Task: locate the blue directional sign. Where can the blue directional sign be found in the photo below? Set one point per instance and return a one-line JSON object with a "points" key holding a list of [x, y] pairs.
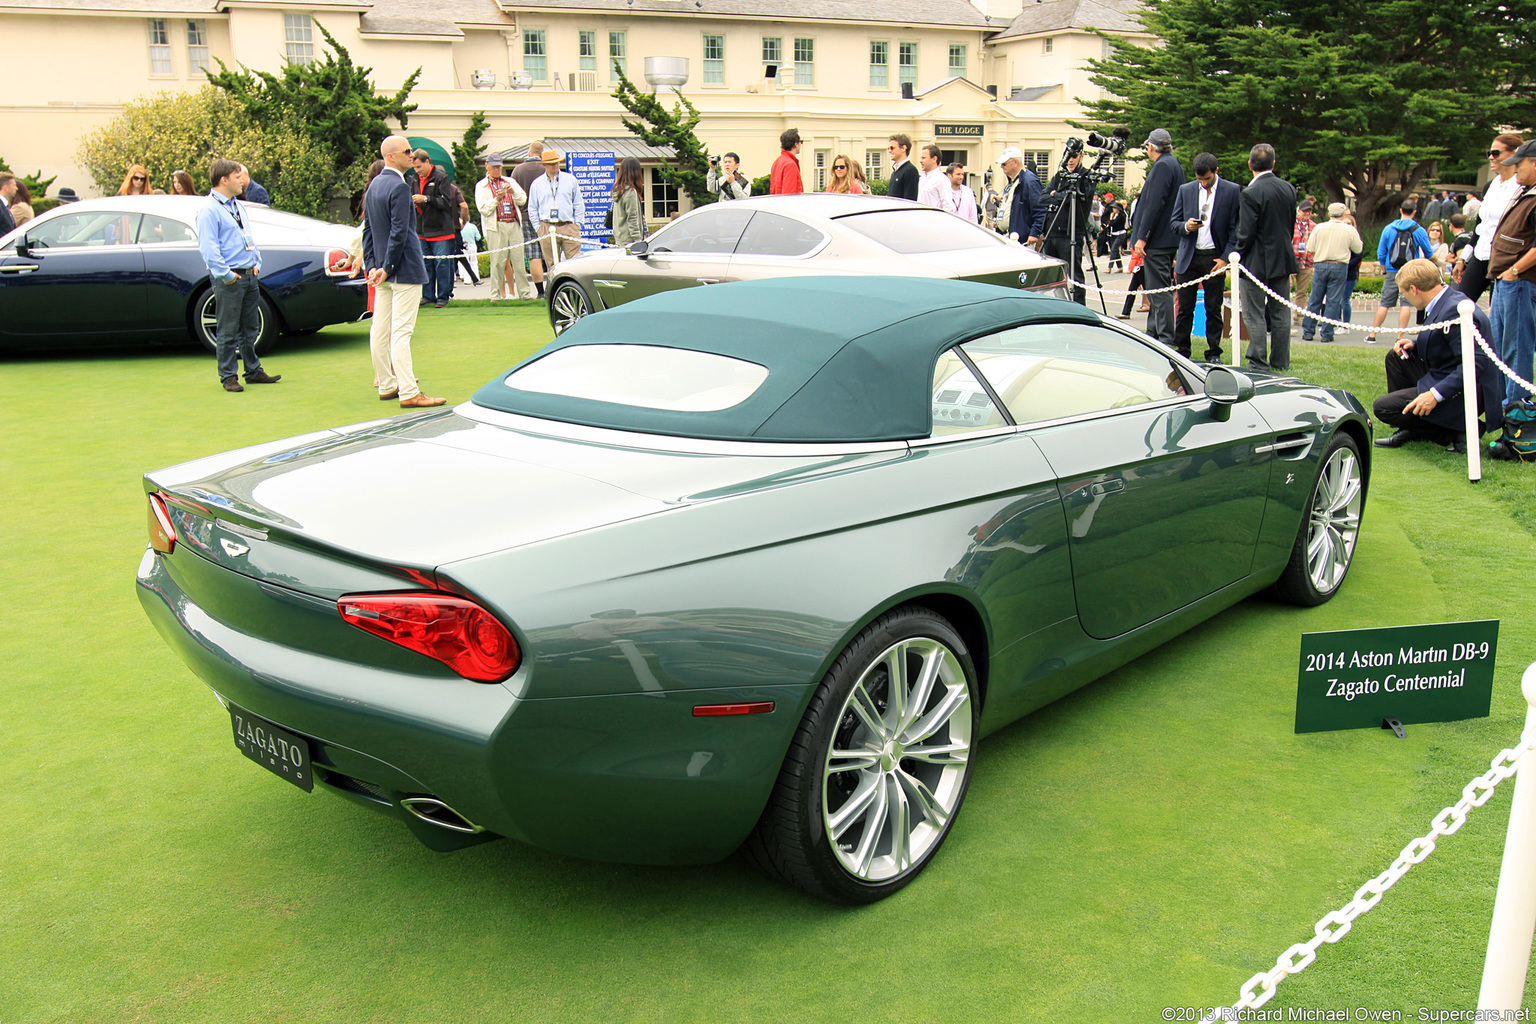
{"points": [[595, 173]]}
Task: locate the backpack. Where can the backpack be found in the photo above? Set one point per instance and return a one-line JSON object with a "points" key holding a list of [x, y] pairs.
{"points": [[1519, 441], [1402, 248]]}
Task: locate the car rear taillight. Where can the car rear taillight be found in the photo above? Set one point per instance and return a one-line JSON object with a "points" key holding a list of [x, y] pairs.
{"points": [[337, 263], [455, 631], [162, 535]]}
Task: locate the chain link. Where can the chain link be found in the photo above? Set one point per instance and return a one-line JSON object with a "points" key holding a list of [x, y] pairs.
{"points": [[1260, 988], [1155, 291], [517, 247], [1506, 371], [1285, 300]]}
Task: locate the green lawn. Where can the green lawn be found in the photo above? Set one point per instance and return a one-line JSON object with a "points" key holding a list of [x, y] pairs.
{"points": [[1152, 840]]}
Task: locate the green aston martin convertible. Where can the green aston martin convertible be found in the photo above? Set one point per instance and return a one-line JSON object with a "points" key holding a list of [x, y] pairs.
{"points": [[752, 567]]}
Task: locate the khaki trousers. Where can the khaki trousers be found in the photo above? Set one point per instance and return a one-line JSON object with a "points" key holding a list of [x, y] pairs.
{"points": [[500, 235], [570, 241], [389, 337]]}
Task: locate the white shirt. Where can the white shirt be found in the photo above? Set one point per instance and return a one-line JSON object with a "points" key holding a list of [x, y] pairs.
{"points": [[960, 201], [1500, 194], [931, 188], [1203, 238]]}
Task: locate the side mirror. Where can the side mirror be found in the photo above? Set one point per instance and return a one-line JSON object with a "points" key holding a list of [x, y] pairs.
{"points": [[1225, 388], [641, 249], [21, 248]]}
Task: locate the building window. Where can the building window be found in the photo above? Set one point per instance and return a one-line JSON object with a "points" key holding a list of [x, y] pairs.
{"points": [[805, 62], [159, 47], [299, 38], [874, 164], [773, 52], [906, 64], [956, 60], [664, 202], [197, 46], [1040, 159], [819, 173], [714, 60], [1107, 49], [588, 60], [618, 49], [1050, 44], [879, 64], [535, 60]]}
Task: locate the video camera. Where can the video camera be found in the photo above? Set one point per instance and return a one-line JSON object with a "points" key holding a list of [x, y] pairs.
{"points": [[1081, 184]]}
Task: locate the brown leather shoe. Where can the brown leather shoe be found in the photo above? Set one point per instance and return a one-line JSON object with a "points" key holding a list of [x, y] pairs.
{"points": [[390, 397], [263, 377], [421, 402], [232, 384]]}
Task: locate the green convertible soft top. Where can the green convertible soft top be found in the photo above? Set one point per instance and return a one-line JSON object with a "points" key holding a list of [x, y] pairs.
{"points": [[848, 358]]}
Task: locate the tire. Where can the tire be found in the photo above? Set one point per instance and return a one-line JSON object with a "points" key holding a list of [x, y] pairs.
{"points": [[567, 304], [201, 322], [1325, 543], [855, 815]]}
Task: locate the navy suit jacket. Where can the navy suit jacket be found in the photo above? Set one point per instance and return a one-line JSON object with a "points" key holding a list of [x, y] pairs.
{"points": [[7, 221], [1026, 214], [1229, 199], [1154, 210], [1441, 352], [1265, 225], [389, 230]]}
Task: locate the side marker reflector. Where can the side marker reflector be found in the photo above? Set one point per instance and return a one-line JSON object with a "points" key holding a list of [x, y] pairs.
{"points": [[761, 707]]}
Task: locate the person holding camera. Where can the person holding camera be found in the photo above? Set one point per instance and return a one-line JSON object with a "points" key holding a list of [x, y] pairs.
{"points": [[725, 178], [1067, 226]]}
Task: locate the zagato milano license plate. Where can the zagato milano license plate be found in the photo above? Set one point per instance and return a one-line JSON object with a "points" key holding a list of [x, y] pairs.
{"points": [[277, 750]]}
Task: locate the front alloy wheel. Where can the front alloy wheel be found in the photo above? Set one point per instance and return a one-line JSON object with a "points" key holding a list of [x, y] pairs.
{"points": [[1325, 544], [879, 766], [567, 304]]}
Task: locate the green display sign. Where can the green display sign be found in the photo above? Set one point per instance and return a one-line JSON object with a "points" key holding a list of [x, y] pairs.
{"points": [[1357, 678]]}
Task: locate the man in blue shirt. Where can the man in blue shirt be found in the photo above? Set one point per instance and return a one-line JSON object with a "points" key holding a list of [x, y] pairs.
{"points": [[1416, 241], [555, 207], [229, 250]]}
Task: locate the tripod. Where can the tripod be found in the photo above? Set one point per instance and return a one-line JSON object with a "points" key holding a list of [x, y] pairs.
{"points": [[1076, 239]]}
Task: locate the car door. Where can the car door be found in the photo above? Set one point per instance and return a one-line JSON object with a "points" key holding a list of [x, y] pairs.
{"points": [[773, 245], [78, 274], [172, 266], [1163, 497], [691, 251]]}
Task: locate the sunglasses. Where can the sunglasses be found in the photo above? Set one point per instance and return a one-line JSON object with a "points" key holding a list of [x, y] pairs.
{"points": [[139, 177], [839, 167], [1496, 152]]}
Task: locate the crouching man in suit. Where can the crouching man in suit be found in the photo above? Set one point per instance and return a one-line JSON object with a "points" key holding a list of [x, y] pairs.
{"points": [[1425, 386]]}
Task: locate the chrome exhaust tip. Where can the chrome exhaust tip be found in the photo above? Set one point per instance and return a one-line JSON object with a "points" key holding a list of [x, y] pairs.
{"points": [[434, 812]]}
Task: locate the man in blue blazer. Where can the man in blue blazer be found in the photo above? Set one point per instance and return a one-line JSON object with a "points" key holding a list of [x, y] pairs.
{"points": [[1205, 219], [1152, 231], [1426, 384], [392, 257]]}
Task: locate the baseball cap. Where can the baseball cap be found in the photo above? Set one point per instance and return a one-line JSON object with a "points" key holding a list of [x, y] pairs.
{"points": [[1011, 153], [1306, 205], [1337, 209], [1527, 150], [1159, 138]]}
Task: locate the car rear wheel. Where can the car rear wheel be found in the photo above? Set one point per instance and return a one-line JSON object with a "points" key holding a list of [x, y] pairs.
{"points": [[567, 304], [879, 765], [205, 322], [1325, 544]]}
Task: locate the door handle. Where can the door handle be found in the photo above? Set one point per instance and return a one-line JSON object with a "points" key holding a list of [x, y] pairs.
{"points": [[1107, 487], [707, 280], [20, 268]]}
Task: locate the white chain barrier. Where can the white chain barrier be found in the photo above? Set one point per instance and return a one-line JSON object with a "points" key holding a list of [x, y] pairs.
{"points": [[1338, 324], [1261, 988], [1506, 371], [1145, 291], [585, 244]]}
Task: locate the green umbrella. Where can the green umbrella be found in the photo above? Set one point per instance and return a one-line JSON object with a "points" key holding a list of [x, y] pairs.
{"points": [[436, 153]]}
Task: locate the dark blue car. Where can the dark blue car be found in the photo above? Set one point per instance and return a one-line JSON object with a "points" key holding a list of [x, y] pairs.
{"points": [[126, 269]]}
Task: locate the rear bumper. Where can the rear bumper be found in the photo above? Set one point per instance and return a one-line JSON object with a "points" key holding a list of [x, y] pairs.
{"points": [[629, 777]]}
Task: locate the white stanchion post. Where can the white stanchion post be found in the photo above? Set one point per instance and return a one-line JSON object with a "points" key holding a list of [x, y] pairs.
{"points": [[1469, 391], [1514, 907], [1237, 310]]}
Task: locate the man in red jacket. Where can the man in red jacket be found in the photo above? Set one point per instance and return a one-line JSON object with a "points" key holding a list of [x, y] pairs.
{"points": [[785, 176]]}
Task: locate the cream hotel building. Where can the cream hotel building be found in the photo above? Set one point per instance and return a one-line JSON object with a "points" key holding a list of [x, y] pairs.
{"points": [[973, 77]]}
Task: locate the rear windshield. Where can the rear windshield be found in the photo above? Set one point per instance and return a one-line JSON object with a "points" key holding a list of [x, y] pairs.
{"points": [[920, 230], [647, 376]]}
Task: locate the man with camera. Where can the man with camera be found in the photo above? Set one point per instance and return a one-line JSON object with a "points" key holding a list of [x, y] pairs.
{"points": [[1068, 195], [731, 184]]}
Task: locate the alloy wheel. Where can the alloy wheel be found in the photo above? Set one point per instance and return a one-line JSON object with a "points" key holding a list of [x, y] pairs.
{"points": [[1334, 521], [566, 306], [896, 769]]}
